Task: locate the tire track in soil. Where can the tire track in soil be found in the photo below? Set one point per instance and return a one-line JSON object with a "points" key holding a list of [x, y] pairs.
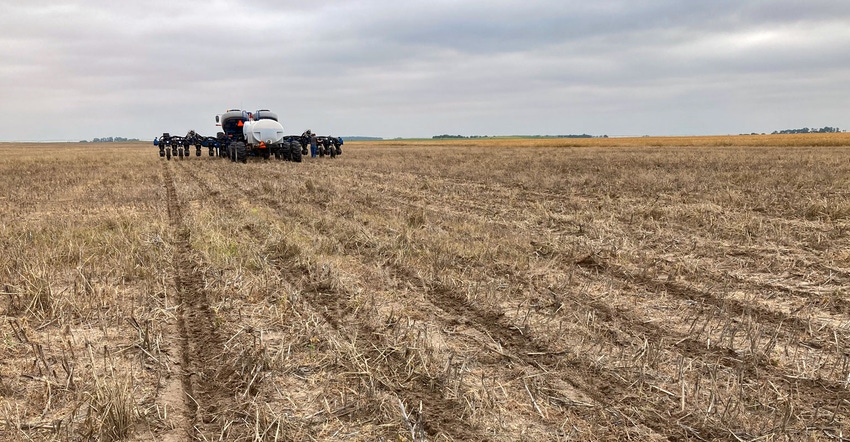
{"points": [[204, 383], [440, 414], [177, 393]]}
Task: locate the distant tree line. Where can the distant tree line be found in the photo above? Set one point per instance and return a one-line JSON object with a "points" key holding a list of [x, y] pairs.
{"points": [[110, 140], [806, 130], [447, 136]]}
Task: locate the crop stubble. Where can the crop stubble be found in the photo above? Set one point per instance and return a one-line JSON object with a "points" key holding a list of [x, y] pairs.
{"points": [[495, 290]]}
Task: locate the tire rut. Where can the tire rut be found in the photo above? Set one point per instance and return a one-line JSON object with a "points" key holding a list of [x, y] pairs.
{"points": [[203, 374], [440, 414]]}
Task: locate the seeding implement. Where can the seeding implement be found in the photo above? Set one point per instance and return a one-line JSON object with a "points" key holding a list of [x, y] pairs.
{"points": [[258, 134]]}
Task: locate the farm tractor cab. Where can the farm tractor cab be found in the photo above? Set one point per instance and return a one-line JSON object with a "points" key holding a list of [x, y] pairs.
{"points": [[243, 134]]}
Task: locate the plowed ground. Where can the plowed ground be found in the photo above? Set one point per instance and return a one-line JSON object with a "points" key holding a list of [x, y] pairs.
{"points": [[471, 291]]}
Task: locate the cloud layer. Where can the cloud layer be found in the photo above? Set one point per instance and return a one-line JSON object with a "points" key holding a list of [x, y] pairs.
{"points": [[77, 70]]}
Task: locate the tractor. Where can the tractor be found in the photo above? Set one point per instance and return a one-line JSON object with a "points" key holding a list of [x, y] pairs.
{"points": [[256, 134]]}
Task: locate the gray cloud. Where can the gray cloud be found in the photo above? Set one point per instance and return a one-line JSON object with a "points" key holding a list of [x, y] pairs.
{"points": [[416, 68]]}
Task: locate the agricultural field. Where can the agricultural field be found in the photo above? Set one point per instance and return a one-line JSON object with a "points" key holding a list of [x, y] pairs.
{"points": [[477, 290]]}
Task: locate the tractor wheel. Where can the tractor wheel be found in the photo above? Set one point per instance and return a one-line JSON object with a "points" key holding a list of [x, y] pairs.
{"points": [[286, 150], [180, 153], [265, 153], [338, 151], [295, 152], [168, 154], [198, 151], [231, 152], [241, 152], [332, 151]]}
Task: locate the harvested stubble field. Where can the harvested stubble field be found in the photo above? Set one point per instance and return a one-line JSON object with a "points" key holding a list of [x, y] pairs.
{"points": [[644, 289]]}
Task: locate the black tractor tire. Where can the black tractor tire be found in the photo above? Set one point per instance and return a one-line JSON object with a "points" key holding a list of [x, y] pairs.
{"points": [[212, 151], [241, 152], [295, 152], [265, 153], [285, 150], [162, 153], [168, 154], [338, 151], [198, 151]]}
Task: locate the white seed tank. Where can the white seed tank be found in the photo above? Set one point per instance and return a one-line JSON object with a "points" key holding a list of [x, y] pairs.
{"points": [[265, 130]]}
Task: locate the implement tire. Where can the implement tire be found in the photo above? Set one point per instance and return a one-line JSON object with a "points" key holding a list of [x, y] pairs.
{"points": [[241, 152], [295, 152], [285, 150]]}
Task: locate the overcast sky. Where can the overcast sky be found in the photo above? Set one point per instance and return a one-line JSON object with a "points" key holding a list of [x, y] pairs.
{"points": [[407, 68]]}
